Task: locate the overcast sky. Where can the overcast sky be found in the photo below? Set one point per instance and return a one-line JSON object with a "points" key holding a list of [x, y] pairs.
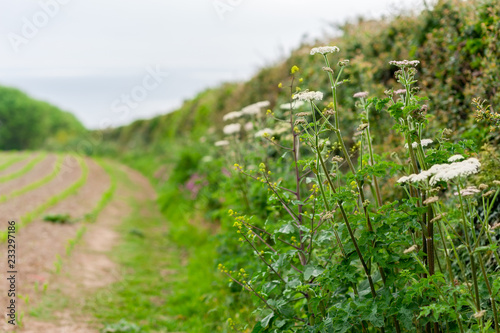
{"points": [[112, 61]]}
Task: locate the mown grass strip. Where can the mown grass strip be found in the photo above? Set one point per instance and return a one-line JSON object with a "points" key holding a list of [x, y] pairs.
{"points": [[12, 160], [36, 184], [72, 189], [30, 165]]}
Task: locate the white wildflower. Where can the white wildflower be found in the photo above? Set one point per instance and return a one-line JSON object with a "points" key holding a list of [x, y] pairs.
{"points": [[455, 158], [404, 179], [309, 96], [251, 110], [404, 63], [469, 191], [400, 92], [232, 115], [231, 129], [254, 109], [264, 133], [423, 142], [324, 49], [294, 105], [447, 172], [221, 143], [361, 94], [263, 104], [248, 126]]}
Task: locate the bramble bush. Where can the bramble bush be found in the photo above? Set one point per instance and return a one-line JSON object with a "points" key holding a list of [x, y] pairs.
{"points": [[349, 239]]}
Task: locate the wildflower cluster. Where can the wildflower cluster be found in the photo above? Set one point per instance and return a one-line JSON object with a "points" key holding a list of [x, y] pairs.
{"points": [[337, 247]]}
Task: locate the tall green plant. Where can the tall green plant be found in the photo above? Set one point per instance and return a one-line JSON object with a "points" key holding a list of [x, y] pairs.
{"points": [[338, 255]]}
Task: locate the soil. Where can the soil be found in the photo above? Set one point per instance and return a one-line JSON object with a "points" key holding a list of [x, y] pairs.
{"points": [[88, 267]]}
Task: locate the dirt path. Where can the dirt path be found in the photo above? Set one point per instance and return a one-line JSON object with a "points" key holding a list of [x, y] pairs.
{"points": [[15, 208], [18, 165], [89, 266], [40, 170]]}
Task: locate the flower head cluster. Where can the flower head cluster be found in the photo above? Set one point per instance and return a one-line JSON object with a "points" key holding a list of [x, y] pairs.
{"points": [[232, 115], [264, 133], [455, 158], [361, 94], [400, 92], [231, 129], [404, 63], [423, 142], [324, 50], [221, 143], [444, 172], [309, 96], [294, 105], [469, 191], [255, 108]]}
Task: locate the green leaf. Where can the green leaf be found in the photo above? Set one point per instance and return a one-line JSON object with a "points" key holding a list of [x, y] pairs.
{"points": [[287, 229], [266, 320], [312, 271], [258, 328]]}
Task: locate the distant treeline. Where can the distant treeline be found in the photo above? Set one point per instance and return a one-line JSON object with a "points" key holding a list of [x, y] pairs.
{"points": [[26, 123], [456, 41]]}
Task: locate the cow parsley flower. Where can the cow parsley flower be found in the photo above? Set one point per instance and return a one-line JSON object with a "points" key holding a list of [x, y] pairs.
{"points": [[361, 94], [423, 142], [254, 109], [404, 63], [324, 50], [455, 158], [309, 96], [294, 105], [221, 143], [231, 129], [446, 172], [232, 115], [264, 133]]}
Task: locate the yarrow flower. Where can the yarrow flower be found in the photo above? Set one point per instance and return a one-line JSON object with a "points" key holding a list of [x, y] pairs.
{"points": [[221, 143], [404, 63], [400, 91], [309, 96], [455, 158], [232, 115], [294, 105], [231, 129], [264, 133], [324, 50], [361, 94], [423, 142]]}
